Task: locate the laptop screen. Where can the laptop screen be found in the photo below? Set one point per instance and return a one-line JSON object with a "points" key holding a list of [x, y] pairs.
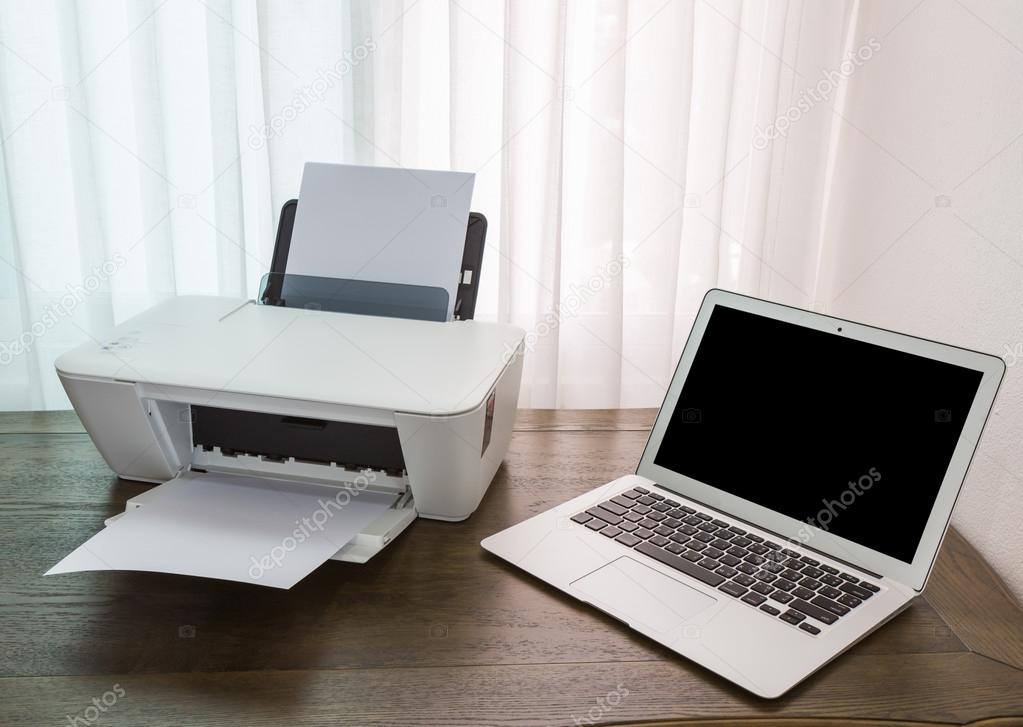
{"points": [[849, 436]]}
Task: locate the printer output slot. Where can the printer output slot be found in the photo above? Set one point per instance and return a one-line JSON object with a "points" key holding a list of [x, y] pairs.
{"points": [[276, 438]]}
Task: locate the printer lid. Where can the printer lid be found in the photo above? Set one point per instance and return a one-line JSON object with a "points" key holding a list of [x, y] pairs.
{"points": [[230, 344]]}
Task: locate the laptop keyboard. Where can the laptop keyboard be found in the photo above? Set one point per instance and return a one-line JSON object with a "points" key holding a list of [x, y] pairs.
{"points": [[763, 574]]}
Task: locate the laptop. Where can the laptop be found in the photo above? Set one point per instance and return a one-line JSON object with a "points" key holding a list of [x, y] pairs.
{"points": [[791, 498]]}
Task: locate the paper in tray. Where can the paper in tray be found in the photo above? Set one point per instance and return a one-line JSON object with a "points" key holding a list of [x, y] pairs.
{"points": [[249, 529]]}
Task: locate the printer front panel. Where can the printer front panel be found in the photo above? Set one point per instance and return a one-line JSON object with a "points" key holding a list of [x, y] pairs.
{"points": [[451, 460]]}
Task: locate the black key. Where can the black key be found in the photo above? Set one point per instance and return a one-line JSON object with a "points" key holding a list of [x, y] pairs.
{"points": [[787, 573], [712, 552], [671, 522], [747, 568], [772, 545], [596, 524], [646, 500], [581, 517], [847, 577], [628, 539], [812, 572], [672, 503], [647, 523], [851, 601], [708, 563], [870, 587], [615, 508], [707, 527], [696, 545], [655, 496], [729, 560], [720, 523], [632, 494], [703, 537], [680, 564], [829, 592], [744, 580], [725, 535], [809, 628], [659, 540], [675, 548], [642, 533], [736, 529], [627, 526], [664, 531], [810, 583], [737, 551], [828, 605], [815, 611], [766, 577], [679, 538], [753, 599], [611, 531], [762, 588], [792, 617], [861, 593], [660, 507], [830, 580], [757, 548], [608, 517], [703, 515], [794, 564], [754, 538], [720, 544], [727, 572], [783, 584], [732, 589], [808, 560], [780, 597], [633, 517], [641, 509], [754, 559], [800, 592], [692, 556], [641, 490], [828, 569], [770, 609], [686, 508], [678, 514], [687, 529], [692, 520], [741, 541], [657, 516], [790, 553], [772, 567]]}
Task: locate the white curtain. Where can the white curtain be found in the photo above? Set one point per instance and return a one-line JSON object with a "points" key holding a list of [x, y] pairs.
{"points": [[629, 156]]}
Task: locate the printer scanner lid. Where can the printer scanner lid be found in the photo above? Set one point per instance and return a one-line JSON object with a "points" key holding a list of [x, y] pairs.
{"points": [[230, 344]]}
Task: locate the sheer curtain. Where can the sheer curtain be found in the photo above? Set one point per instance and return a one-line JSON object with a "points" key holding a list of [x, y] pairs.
{"points": [[629, 155]]}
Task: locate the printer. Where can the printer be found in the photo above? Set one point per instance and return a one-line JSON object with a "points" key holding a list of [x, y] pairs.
{"points": [[317, 381]]}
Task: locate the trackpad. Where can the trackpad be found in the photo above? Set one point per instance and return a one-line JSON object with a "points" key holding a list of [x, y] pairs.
{"points": [[638, 594]]}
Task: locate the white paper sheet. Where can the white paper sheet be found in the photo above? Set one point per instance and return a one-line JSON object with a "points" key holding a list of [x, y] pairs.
{"points": [[383, 224], [248, 529]]}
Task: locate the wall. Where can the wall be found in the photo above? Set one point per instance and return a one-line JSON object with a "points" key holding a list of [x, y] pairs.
{"points": [[924, 232]]}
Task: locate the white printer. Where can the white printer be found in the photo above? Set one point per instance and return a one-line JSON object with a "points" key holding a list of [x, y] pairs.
{"points": [[422, 409]]}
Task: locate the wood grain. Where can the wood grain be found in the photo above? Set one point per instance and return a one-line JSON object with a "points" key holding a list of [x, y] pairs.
{"points": [[433, 630]]}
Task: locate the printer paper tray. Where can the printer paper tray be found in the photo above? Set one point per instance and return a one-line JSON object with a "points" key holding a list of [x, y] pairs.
{"points": [[257, 530]]}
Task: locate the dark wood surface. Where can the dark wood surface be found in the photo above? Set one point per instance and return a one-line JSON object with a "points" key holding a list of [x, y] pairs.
{"points": [[433, 630]]}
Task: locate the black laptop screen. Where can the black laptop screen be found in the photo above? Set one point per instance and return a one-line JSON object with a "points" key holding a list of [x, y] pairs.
{"points": [[851, 437]]}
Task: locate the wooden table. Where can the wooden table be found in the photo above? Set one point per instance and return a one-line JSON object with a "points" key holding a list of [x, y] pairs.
{"points": [[433, 630]]}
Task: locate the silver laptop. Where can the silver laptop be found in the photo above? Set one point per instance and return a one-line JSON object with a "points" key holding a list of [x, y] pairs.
{"points": [[792, 496]]}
